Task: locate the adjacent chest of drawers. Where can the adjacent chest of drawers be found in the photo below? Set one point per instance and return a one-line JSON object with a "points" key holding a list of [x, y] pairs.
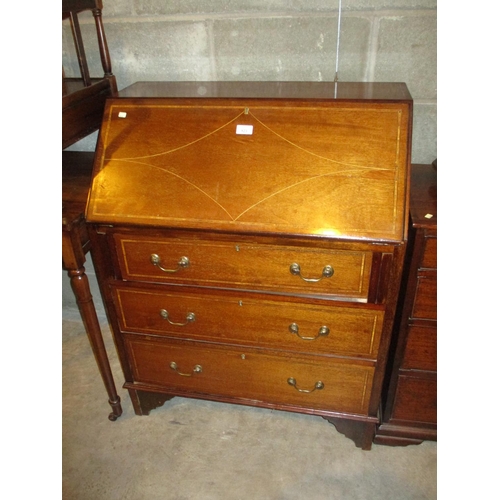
{"points": [[410, 401], [249, 241]]}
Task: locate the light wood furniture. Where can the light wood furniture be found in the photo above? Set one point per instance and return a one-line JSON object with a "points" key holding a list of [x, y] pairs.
{"points": [[82, 110], [410, 400], [249, 239]]}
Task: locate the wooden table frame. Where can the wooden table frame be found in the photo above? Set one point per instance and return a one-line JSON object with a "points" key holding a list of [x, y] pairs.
{"points": [[77, 169]]}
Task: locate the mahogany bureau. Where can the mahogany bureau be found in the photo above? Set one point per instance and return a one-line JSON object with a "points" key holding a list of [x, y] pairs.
{"points": [[409, 404], [248, 239]]}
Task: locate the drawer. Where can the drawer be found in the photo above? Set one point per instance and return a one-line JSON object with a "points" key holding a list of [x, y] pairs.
{"points": [[429, 257], [250, 319], [425, 303], [416, 400], [268, 377], [233, 265], [421, 348]]}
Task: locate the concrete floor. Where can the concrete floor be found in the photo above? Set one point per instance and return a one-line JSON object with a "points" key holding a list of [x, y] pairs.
{"points": [[199, 450]]}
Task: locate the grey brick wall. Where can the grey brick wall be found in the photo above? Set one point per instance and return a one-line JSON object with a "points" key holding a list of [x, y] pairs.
{"points": [[380, 40]]}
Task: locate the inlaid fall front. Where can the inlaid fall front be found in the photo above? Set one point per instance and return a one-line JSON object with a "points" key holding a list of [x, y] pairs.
{"points": [[256, 166]]}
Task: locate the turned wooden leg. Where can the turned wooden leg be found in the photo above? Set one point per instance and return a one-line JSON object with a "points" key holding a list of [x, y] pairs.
{"points": [[81, 289]]}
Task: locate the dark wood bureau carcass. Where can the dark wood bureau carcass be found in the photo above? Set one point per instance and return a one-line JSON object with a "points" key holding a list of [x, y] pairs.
{"points": [[248, 239], [410, 398]]}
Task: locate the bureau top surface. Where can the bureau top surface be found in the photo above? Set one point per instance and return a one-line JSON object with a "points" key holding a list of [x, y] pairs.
{"points": [[267, 90], [256, 157]]}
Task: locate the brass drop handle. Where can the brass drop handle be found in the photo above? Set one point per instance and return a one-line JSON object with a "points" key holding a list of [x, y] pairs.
{"points": [[156, 261], [196, 369], [327, 273], [322, 332], [318, 385], [190, 318]]}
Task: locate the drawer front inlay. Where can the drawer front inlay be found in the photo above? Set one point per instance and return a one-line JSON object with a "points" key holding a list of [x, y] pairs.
{"points": [[254, 375], [245, 319], [262, 267]]}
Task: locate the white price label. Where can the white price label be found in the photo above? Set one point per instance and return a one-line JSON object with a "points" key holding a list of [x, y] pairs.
{"points": [[244, 129]]}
